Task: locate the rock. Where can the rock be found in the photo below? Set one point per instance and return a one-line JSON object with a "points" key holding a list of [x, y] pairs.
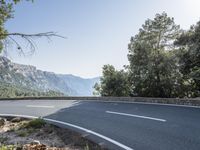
{"points": [[2, 122], [16, 120], [34, 147], [35, 142]]}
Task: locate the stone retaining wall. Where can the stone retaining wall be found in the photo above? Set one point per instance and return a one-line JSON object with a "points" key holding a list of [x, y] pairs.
{"points": [[185, 101]]}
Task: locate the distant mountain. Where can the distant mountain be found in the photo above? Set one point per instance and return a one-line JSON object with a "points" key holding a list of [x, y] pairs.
{"points": [[27, 76], [84, 87], [8, 90]]}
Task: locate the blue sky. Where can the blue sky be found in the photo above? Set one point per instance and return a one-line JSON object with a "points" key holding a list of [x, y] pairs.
{"points": [[97, 31]]}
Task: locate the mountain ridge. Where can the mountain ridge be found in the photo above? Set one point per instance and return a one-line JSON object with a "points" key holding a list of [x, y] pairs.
{"points": [[30, 77]]}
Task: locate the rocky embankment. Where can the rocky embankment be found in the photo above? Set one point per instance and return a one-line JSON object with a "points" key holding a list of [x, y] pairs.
{"points": [[23, 134]]}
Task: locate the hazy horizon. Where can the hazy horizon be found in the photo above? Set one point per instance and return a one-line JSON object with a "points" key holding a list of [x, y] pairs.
{"points": [[97, 32]]}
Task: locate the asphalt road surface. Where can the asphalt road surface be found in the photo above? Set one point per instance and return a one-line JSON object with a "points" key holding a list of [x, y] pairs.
{"points": [[116, 125]]}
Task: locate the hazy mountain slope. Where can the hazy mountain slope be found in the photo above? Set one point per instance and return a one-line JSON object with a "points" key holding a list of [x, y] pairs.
{"points": [[84, 87], [29, 77], [10, 90]]}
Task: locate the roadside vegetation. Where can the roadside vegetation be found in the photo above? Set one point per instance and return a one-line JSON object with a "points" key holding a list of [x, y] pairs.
{"points": [[35, 124], [164, 61]]}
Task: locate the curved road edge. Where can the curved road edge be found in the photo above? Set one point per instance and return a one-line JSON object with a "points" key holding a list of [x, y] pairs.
{"points": [[73, 126]]}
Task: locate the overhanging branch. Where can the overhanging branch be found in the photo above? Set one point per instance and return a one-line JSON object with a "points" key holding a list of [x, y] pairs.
{"points": [[29, 38], [44, 34]]}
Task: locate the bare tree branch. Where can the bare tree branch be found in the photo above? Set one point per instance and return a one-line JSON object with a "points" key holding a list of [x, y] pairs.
{"points": [[29, 38], [18, 45], [44, 34]]}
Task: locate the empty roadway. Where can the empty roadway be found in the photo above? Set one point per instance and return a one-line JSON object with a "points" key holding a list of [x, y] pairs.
{"points": [[133, 126]]}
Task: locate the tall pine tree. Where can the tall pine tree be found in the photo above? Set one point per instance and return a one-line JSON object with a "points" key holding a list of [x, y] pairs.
{"points": [[153, 63]]}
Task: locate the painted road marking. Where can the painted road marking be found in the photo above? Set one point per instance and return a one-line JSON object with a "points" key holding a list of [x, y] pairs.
{"points": [[77, 127], [137, 116], [91, 132], [39, 106]]}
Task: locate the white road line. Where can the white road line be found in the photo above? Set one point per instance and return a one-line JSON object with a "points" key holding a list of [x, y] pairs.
{"points": [[38, 106], [138, 116], [77, 127], [92, 132]]}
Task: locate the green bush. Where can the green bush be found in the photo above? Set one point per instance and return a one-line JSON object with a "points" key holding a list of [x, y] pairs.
{"points": [[10, 147], [36, 123]]}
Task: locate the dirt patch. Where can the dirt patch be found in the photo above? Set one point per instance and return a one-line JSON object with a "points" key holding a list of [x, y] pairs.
{"points": [[18, 133]]}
